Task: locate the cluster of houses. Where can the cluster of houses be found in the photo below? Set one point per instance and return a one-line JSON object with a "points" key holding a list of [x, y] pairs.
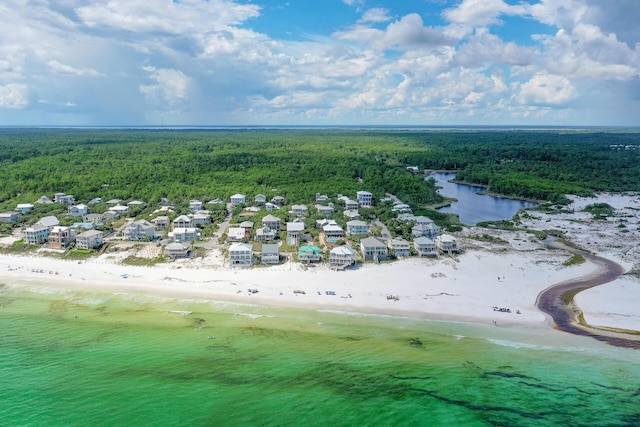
{"points": [[183, 230]]}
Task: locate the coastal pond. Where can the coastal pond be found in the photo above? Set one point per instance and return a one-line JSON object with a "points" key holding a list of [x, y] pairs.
{"points": [[473, 207]]}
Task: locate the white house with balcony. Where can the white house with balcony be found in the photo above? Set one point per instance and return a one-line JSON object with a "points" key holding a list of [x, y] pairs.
{"points": [[61, 237], [355, 227], [425, 246], [342, 257], [36, 234], [270, 253], [326, 210], [24, 208], [400, 247], [78, 210], [182, 221], [90, 239], [294, 232], [365, 198], [188, 234], [64, 198], [271, 221], [240, 255], [9, 216], [195, 205], [446, 243], [238, 199], [265, 234], [351, 205], [176, 250], [299, 210], [373, 249], [139, 230]]}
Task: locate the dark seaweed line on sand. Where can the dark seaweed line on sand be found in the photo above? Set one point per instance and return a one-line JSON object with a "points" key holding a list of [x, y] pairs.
{"points": [[557, 301]]}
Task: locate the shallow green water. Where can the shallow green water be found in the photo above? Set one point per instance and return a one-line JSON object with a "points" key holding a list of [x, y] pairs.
{"points": [[78, 359]]}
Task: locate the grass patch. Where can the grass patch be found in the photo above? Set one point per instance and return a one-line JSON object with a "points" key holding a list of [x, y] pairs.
{"points": [[576, 259], [489, 238], [144, 262]]}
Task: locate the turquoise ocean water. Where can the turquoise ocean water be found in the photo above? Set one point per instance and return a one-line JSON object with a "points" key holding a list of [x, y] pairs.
{"points": [[76, 359]]}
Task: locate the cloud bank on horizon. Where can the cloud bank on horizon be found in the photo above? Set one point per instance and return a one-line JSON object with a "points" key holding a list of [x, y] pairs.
{"points": [[299, 62]]}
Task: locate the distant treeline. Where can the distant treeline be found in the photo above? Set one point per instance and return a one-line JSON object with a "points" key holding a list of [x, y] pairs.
{"points": [[186, 164]]}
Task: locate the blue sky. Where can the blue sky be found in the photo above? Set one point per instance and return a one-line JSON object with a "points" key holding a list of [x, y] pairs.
{"points": [[320, 62]]}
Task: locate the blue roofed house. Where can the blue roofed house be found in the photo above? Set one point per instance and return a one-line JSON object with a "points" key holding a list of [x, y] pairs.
{"points": [[308, 254]]}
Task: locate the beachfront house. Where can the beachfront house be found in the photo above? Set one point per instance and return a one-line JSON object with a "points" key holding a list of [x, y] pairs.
{"points": [[356, 227], [61, 237], [236, 234], [195, 205], [446, 243], [373, 249], [424, 246], [238, 199], [139, 230], [271, 221], [265, 234], [294, 231], [182, 221], [216, 201], [90, 239], [24, 208], [187, 234], [400, 247], [342, 257], [364, 198], [321, 197], [240, 255], [176, 250], [36, 234], [78, 210], [308, 254], [9, 216], [270, 253], [260, 199]]}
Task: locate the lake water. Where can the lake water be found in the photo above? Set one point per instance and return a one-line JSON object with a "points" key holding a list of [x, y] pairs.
{"points": [[77, 359], [472, 207]]}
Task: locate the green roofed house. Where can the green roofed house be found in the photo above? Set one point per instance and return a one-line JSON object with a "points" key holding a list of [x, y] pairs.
{"points": [[308, 254]]}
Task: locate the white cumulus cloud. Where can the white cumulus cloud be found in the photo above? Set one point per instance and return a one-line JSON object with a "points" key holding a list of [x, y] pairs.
{"points": [[13, 95]]}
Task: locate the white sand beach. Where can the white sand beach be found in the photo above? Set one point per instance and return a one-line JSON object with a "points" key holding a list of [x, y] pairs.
{"points": [[508, 273]]}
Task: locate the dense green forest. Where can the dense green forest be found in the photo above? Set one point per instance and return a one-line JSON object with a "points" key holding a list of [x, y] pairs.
{"points": [[205, 164]]}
